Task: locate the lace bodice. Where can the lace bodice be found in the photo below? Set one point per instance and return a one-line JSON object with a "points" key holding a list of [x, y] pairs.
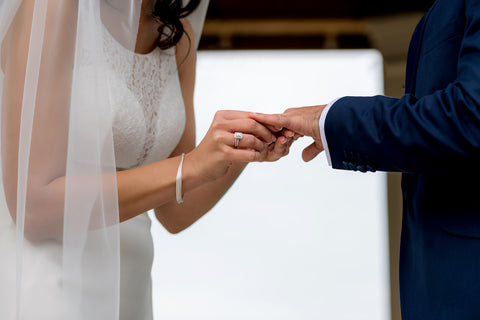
{"points": [[149, 113]]}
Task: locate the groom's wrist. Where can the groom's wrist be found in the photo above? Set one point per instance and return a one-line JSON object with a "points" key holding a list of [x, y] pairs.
{"points": [[316, 122], [321, 125]]}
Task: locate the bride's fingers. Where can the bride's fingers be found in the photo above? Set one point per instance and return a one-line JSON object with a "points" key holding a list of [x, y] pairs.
{"points": [[244, 155], [247, 142], [275, 120], [232, 114], [273, 129], [249, 126]]}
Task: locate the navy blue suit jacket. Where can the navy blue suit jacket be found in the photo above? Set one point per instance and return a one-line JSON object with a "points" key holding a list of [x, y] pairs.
{"points": [[432, 136]]}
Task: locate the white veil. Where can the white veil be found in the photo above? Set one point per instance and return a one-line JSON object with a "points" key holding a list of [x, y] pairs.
{"points": [[59, 225]]}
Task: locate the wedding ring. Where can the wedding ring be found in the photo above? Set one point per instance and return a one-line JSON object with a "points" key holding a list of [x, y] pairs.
{"points": [[238, 136]]}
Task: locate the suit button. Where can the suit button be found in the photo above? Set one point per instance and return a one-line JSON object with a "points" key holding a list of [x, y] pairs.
{"points": [[361, 169]]}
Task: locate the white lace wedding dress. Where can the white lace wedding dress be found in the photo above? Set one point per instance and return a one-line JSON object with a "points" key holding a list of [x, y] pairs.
{"points": [[58, 116], [149, 118]]}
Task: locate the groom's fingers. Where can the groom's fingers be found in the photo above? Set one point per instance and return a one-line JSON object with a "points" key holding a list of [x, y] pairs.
{"points": [[277, 150], [281, 148], [311, 151], [288, 133]]}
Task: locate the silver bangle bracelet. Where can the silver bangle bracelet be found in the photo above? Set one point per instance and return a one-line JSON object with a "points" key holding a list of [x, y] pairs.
{"points": [[179, 181]]}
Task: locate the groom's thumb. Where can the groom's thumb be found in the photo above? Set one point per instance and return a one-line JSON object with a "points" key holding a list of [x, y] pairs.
{"points": [[311, 151]]}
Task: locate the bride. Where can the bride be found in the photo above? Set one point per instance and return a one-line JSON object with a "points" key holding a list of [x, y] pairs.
{"points": [[97, 128]]}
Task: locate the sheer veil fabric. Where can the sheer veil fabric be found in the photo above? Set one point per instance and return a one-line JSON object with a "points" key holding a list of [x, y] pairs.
{"points": [[59, 225]]}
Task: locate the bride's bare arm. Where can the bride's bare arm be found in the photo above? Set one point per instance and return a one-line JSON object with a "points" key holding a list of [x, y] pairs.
{"points": [[47, 150], [176, 217]]}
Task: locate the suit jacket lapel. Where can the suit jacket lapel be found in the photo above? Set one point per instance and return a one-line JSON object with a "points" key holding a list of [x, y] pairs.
{"points": [[414, 53], [413, 56]]}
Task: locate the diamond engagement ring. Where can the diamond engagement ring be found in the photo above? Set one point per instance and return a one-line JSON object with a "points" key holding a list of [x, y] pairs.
{"points": [[238, 136]]}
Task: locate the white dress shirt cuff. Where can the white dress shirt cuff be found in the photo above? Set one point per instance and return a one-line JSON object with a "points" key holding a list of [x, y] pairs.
{"points": [[323, 117]]}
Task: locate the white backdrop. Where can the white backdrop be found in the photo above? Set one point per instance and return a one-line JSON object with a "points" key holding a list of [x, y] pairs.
{"points": [[291, 240]]}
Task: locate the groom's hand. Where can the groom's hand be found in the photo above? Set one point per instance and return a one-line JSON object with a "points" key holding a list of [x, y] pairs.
{"points": [[303, 121]]}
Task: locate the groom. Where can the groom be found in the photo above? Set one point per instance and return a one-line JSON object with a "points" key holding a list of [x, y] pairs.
{"points": [[432, 136]]}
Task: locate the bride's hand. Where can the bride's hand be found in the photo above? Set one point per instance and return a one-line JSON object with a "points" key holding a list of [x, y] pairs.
{"points": [[217, 151]]}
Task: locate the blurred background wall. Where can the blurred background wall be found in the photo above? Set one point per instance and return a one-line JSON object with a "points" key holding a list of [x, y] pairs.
{"points": [[320, 24], [290, 240]]}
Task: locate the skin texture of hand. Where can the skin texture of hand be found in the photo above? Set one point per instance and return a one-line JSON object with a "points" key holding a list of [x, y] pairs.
{"points": [[302, 121], [216, 152]]}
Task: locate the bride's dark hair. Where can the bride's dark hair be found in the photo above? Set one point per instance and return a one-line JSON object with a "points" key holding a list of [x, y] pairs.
{"points": [[168, 13]]}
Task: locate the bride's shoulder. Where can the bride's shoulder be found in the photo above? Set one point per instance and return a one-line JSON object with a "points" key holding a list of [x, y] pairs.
{"points": [[186, 51], [188, 29]]}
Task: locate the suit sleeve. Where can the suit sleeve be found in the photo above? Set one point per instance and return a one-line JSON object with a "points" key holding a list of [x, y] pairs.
{"points": [[437, 133]]}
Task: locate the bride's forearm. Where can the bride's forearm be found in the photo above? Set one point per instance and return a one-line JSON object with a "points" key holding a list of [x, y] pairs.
{"points": [[197, 202], [153, 185], [139, 190]]}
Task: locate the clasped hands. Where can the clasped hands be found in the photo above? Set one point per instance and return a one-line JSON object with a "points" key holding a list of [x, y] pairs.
{"points": [[265, 137], [299, 121]]}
